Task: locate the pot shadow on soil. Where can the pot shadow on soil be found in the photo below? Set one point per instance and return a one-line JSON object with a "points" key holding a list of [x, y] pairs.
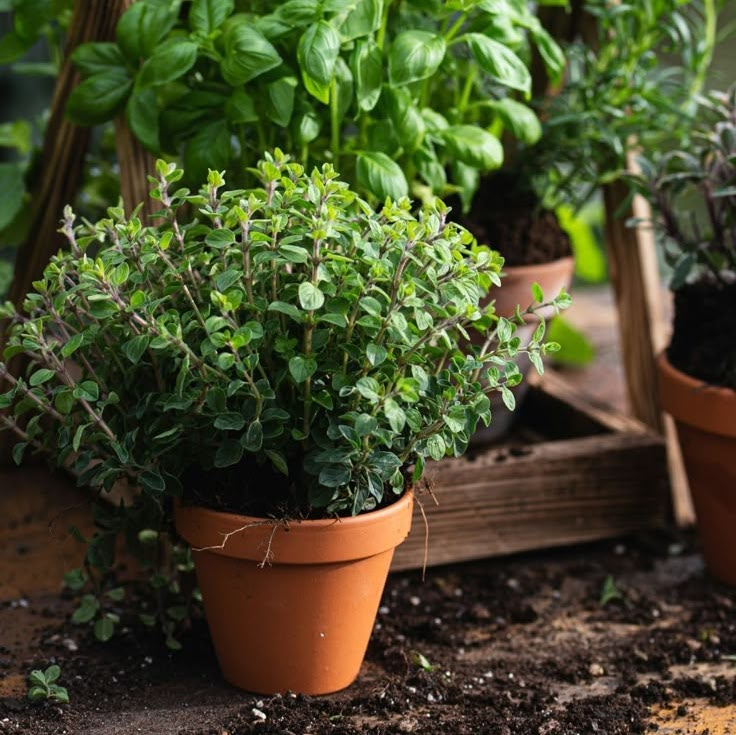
{"points": [[517, 646]]}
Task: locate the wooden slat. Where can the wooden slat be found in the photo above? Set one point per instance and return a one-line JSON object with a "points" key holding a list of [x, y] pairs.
{"points": [[519, 496], [636, 283]]}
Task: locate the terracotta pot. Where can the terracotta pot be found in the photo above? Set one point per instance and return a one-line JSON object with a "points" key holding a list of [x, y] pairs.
{"points": [[291, 607], [706, 427], [516, 285], [516, 289]]}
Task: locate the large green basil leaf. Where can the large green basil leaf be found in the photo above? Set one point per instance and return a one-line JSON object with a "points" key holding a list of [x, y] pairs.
{"points": [[248, 54], [519, 119], [406, 118], [363, 19], [143, 26], [169, 61], [12, 186], [500, 62], [142, 112], [98, 98], [415, 55], [91, 58], [366, 63], [208, 15], [317, 53], [380, 175], [473, 146], [279, 100]]}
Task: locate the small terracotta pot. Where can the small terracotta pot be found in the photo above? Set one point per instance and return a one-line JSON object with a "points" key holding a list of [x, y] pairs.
{"points": [[706, 427], [291, 607], [516, 285]]}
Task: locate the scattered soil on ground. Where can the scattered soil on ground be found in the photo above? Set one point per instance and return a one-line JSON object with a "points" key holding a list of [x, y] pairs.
{"points": [[518, 646]]}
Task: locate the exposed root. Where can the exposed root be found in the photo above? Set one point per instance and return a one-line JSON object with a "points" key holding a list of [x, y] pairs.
{"points": [[226, 537]]}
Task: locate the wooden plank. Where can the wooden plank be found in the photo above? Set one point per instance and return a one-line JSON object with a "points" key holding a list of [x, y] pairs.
{"points": [[643, 334], [557, 493]]}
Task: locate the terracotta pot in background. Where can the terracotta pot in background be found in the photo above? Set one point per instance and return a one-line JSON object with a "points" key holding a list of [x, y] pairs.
{"points": [[516, 286], [300, 621], [516, 289], [706, 427]]}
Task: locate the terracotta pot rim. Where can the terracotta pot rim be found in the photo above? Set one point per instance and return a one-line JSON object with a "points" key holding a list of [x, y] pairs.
{"points": [[296, 542], [557, 262], [695, 402]]}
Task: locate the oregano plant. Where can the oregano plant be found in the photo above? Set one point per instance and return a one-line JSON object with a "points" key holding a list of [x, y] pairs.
{"points": [[285, 344]]}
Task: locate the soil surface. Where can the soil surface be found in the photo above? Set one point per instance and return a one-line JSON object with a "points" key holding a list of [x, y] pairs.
{"points": [[514, 646], [703, 343], [509, 219]]}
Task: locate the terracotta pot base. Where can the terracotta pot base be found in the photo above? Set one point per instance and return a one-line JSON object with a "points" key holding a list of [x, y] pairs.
{"points": [[291, 608], [706, 427]]}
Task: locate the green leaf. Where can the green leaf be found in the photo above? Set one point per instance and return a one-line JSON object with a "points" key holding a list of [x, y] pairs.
{"points": [[91, 58], [41, 376], [208, 15], [473, 146], [37, 693], [59, 694], [12, 185], [363, 19], [508, 398], [551, 53], [376, 353], [334, 476], [279, 100], [253, 440], [455, 419], [240, 108], [52, 674], [310, 297], [395, 415], [278, 461], [500, 62], [289, 309], [134, 348], [369, 388], [99, 98], [248, 54], [169, 61], [87, 390], [88, 607], [74, 579], [230, 421], [104, 629], [366, 63], [230, 452], [208, 149], [436, 447], [609, 591], [142, 114], [381, 175], [302, 368], [575, 349], [317, 54], [63, 402], [415, 55], [152, 482], [519, 119]]}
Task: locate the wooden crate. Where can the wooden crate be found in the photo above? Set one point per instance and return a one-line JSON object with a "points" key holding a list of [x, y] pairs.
{"points": [[571, 472]]}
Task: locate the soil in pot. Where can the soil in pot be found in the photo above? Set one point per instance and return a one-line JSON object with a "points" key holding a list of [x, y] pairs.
{"points": [[507, 215], [704, 333]]}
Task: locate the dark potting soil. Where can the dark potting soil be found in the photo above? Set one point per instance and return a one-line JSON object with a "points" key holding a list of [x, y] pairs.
{"points": [[517, 646], [704, 332], [508, 218]]}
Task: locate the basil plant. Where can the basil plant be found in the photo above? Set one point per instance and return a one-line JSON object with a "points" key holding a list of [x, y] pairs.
{"points": [[288, 333], [399, 97]]}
